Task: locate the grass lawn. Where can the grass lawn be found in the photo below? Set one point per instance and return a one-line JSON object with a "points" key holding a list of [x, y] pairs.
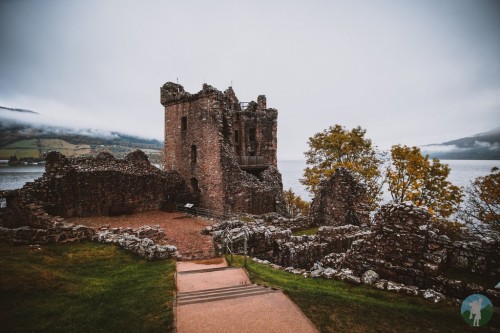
{"points": [[308, 232], [335, 306], [85, 287]]}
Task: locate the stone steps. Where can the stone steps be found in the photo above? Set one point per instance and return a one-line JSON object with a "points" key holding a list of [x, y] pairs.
{"points": [[197, 255], [217, 294]]}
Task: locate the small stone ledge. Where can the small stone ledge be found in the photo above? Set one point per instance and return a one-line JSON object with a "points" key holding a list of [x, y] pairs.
{"points": [[137, 241], [59, 232]]}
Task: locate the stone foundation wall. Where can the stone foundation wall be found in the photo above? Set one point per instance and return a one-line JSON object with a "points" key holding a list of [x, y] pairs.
{"points": [[30, 224], [280, 247]]}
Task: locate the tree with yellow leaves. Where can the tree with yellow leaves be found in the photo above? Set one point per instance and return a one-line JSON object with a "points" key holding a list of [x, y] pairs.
{"points": [[413, 177], [294, 204], [338, 147], [483, 201]]}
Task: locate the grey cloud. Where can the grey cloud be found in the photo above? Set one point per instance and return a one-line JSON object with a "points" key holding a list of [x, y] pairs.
{"points": [[409, 72]]}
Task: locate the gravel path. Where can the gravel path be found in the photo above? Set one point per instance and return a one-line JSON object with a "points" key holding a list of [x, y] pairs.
{"points": [[181, 230]]}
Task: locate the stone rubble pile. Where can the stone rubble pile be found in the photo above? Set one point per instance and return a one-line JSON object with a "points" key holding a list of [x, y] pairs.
{"points": [[139, 241]]}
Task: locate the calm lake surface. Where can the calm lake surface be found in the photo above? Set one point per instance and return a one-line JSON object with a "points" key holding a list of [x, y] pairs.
{"points": [[462, 173], [15, 177]]}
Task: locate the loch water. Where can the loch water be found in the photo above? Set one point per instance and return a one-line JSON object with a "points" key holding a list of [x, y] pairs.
{"points": [[462, 173]]}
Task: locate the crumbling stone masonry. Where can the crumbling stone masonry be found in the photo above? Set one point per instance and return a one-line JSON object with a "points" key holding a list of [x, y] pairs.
{"points": [[401, 246], [400, 252], [85, 187], [142, 241], [101, 185], [280, 247], [92, 186], [224, 149], [340, 200]]}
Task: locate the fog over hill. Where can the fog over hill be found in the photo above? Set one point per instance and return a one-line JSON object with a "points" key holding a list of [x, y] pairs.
{"points": [[13, 130], [482, 146], [26, 139]]}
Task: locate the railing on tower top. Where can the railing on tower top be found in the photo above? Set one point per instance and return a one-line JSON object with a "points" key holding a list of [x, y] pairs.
{"points": [[258, 162]]}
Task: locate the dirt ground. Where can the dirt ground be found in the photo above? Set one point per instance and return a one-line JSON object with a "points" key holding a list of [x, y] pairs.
{"points": [[181, 230]]}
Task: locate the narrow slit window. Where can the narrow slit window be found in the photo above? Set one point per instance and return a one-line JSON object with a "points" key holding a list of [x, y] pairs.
{"points": [[251, 135], [184, 124], [194, 154], [236, 136]]}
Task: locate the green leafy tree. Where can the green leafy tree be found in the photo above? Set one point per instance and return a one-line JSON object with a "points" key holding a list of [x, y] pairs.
{"points": [[413, 177], [294, 205], [483, 201], [338, 147]]}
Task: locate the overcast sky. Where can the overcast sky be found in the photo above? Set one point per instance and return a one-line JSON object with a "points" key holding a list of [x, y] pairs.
{"points": [[409, 72]]}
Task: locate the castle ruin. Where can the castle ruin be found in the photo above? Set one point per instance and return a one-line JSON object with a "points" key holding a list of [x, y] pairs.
{"points": [[224, 149]]}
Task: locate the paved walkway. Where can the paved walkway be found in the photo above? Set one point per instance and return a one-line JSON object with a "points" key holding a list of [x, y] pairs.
{"points": [[212, 297]]}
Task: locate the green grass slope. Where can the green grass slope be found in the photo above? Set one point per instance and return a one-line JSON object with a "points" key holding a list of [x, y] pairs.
{"points": [[83, 288], [36, 148], [335, 306]]}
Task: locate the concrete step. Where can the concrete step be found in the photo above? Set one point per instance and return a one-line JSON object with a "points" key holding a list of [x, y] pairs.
{"points": [[206, 270], [210, 295], [198, 255]]}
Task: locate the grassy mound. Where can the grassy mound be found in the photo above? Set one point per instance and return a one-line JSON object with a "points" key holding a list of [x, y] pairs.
{"points": [[83, 288]]}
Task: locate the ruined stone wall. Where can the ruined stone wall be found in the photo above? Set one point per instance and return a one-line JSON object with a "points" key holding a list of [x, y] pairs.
{"points": [[400, 247], [24, 221], [401, 252], [96, 186], [404, 246], [215, 124], [280, 247], [340, 200], [297, 223]]}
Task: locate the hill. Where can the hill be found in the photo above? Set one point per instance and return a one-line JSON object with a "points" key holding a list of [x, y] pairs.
{"points": [[30, 142], [482, 146]]}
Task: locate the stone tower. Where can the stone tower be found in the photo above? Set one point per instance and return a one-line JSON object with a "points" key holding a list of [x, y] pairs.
{"points": [[224, 149]]}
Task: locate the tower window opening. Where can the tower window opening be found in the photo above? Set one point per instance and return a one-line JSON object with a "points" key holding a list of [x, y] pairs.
{"points": [[236, 136], [251, 135], [194, 154], [184, 124]]}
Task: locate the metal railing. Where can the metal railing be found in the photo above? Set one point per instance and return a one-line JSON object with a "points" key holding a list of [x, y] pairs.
{"points": [[228, 240], [199, 211]]}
